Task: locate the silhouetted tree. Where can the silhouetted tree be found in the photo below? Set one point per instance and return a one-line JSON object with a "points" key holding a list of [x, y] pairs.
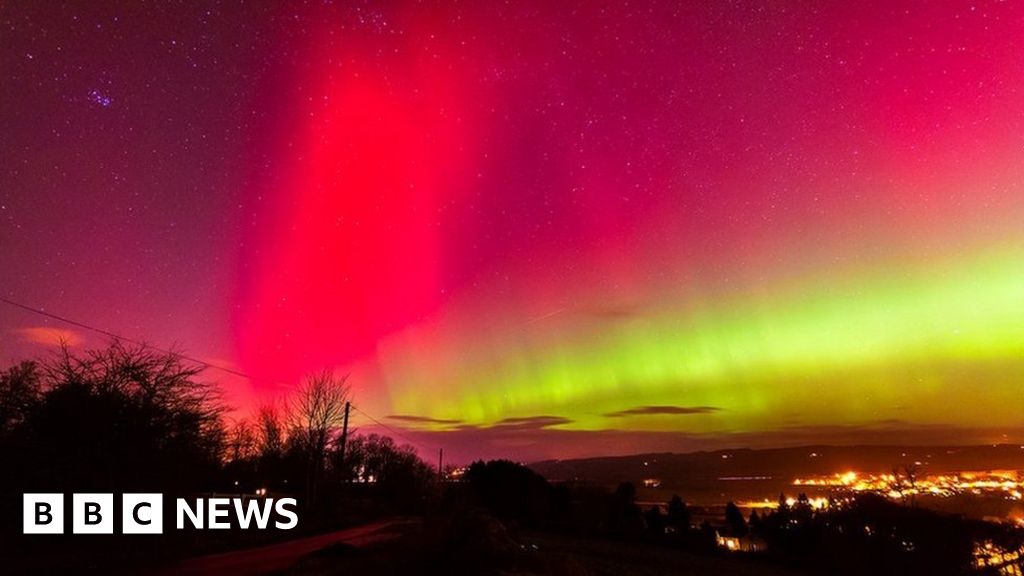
{"points": [[314, 415], [904, 482], [678, 514], [241, 442], [754, 522], [239, 457], [655, 520], [271, 467], [626, 493], [122, 418], [782, 511], [624, 515], [734, 520], [400, 478], [19, 392], [510, 491], [270, 434], [802, 511]]}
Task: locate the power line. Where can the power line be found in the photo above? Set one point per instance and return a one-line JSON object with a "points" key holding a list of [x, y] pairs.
{"points": [[392, 430], [197, 361], [110, 334]]}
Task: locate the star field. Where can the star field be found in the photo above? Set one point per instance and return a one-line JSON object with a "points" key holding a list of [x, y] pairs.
{"points": [[514, 220]]}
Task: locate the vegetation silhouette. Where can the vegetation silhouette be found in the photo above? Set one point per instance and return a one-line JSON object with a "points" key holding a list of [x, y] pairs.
{"points": [[125, 418]]}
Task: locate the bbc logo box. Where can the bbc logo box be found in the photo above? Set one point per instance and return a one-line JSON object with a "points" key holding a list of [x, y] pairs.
{"points": [[43, 514], [93, 514]]}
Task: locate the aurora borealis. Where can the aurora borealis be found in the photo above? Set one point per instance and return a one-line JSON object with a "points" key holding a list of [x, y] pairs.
{"points": [[539, 229]]}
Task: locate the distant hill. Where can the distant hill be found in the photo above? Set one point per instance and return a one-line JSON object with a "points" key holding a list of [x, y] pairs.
{"points": [[757, 473]]}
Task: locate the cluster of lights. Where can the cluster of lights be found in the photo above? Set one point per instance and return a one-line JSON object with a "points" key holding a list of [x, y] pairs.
{"points": [[990, 555], [817, 503], [987, 554], [1002, 482]]}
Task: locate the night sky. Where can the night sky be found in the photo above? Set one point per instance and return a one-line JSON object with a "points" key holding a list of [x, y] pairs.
{"points": [[536, 229]]}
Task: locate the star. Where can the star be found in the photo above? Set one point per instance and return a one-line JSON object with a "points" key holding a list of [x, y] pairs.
{"points": [[97, 97]]}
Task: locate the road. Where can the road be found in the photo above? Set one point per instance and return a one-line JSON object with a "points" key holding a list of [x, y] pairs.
{"points": [[277, 557]]}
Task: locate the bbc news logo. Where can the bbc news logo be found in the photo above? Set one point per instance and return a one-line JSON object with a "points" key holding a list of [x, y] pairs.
{"points": [[143, 513]]}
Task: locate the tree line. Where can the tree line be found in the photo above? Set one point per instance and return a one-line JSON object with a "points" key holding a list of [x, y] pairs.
{"points": [[128, 418]]}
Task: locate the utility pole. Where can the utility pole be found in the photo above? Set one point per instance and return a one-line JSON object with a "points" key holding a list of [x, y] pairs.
{"points": [[440, 464], [344, 432]]}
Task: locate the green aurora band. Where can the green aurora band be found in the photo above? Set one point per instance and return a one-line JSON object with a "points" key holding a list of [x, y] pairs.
{"points": [[944, 346]]}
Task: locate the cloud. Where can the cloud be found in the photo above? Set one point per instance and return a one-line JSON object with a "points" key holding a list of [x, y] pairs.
{"points": [[515, 425], [662, 410], [48, 336], [422, 419], [531, 422]]}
